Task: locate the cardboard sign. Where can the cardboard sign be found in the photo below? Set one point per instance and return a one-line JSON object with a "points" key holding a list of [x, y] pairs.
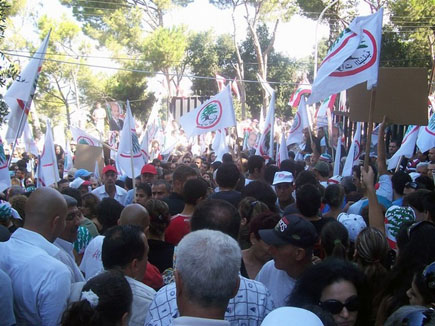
{"points": [[86, 156], [401, 95]]}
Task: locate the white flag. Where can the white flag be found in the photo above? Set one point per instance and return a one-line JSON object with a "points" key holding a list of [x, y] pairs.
{"points": [[68, 162], [283, 152], [82, 137], [352, 59], [426, 136], [322, 113], [29, 142], [300, 122], [342, 105], [375, 135], [48, 172], [406, 148], [20, 95], [216, 113], [5, 178], [265, 144], [337, 157], [129, 158], [304, 88], [220, 82], [354, 152], [220, 146]]}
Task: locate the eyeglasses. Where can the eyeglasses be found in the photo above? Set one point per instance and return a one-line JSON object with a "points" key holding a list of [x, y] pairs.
{"points": [[412, 185], [414, 226], [429, 276], [335, 307]]}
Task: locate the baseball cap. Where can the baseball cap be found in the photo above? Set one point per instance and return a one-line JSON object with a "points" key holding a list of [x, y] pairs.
{"points": [[285, 316], [108, 168], [322, 167], [325, 157], [78, 182], [82, 173], [282, 176], [353, 223], [148, 168], [291, 229]]}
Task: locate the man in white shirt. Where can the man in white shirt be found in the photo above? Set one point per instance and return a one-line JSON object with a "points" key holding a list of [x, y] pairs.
{"points": [[291, 246], [92, 264], [109, 188], [126, 248], [65, 242], [41, 283]]}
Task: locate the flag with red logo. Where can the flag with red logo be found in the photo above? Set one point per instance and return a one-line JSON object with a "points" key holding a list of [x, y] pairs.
{"points": [[129, 159], [216, 113], [304, 88], [426, 136], [265, 143], [352, 59], [48, 172], [354, 152], [325, 108], [220, 82], [406, 148], [300, 122], [20, 95]]}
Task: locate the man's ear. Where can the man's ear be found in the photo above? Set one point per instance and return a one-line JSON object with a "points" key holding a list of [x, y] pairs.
{"points": [[243, 221], [236, 288], [300, 254], [178, 283]]}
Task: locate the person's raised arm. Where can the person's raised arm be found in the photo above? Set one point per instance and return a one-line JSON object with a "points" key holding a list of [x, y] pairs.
{"points": [[382, 157], [376, 216]]}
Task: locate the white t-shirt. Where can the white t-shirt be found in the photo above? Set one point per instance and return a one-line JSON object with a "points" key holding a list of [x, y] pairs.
{"points": [[278, 282], [91, 263]]}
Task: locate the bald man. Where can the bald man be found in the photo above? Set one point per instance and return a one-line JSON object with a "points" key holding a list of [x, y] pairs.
{"points": [[91, 264], [41, 283]]}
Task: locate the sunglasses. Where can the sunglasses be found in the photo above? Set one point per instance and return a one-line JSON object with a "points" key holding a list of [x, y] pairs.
{"points": [[429, 276], [335, 307]]}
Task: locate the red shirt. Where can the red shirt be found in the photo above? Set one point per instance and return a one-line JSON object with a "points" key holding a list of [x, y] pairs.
{"points": [[177, 229]]}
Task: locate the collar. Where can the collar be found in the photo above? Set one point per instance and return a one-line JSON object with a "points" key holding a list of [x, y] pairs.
{"points": [[35, 239], [65, 245]]}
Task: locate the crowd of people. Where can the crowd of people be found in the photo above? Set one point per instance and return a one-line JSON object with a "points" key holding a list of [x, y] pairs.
{"points": [[239, 241]]}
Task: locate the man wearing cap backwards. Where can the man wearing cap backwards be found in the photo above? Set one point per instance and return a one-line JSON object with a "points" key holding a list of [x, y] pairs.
{"points": [[283, 183], [109, 188], [291, 246], [65, 241]]}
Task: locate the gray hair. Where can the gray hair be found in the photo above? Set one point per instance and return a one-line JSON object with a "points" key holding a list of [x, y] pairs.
{"points": [[70, 201], [208, 263], [423, 165]]}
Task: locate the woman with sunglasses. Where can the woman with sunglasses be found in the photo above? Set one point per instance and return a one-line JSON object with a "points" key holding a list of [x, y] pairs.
{"points": [[338, 287], [422, 290]]}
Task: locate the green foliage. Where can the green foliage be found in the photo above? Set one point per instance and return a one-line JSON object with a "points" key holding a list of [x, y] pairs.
{"points": [[8, 71], [126, 85], [165, 47], [207, 55]]}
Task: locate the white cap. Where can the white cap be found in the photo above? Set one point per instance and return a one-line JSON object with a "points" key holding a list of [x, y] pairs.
{"points": [[78, 182], [282, 176], [353, 223], [291, 316]]}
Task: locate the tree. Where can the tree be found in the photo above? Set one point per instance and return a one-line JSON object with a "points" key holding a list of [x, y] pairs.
{"points": [[257, 12], [416, 26], [207, 55]]}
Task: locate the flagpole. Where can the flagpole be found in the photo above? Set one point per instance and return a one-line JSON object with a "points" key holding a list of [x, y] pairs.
{"points": [[16, 135], [370, 129]]}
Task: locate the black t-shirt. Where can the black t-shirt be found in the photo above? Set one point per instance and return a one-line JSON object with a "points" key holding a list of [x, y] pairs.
{"points": [[161, 254], [175, 203], [231, 196]]}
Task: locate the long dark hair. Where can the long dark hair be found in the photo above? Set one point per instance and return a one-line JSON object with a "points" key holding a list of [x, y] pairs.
{"points": [[114, 300]]}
